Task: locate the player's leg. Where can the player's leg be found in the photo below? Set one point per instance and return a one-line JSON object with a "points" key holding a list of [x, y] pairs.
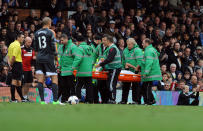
{"points": [[12, 89], [51, 71], [28, 78], [59, 86], [54, 85], [40, 79], [16, 80]]}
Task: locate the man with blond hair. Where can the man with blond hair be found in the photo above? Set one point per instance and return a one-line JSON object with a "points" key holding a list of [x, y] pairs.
{"points": [[132, 59]]}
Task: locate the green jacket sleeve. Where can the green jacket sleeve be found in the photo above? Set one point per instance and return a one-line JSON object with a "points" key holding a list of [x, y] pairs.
{"points": [[138, 57], [149, 57], [94, 53], [77, 53], [123, 61]]}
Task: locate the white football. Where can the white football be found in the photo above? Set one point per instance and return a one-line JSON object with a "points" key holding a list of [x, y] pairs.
{"points": [[73, 100]]}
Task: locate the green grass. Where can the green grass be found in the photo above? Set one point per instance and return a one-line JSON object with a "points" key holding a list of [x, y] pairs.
{"points": [[84, 117]]}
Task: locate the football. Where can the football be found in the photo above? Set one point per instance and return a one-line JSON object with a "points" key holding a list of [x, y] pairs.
{"points": [[73, 100]]}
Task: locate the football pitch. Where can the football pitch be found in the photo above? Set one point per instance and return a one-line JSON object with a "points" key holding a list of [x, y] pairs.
{"points": [[99, 117]]}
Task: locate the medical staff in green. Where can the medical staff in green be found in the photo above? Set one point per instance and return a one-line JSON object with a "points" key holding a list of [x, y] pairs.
{"points": [[70, 58], [132, 59], [150, 70], [84, 70], [112, 63], [101, 84]]}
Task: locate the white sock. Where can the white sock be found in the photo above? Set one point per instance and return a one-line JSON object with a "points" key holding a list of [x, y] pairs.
{"points": [[25, 96]]}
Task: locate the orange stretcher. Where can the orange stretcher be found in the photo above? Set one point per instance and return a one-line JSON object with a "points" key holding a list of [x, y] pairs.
{"points": [[102, 75]]}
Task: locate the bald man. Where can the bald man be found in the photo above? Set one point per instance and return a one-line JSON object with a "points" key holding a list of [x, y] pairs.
{"points": [[28, 55]]}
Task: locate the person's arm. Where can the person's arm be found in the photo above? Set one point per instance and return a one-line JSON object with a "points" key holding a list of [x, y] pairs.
{"points": [[33, 55], [110, 57], [17, 3], [14, 55], [139, 58], [78, 54], [149, 58], [123, 61]]}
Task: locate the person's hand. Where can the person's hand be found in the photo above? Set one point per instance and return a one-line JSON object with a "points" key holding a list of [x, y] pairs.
{"points": [[154, 88], [58, 71], [34, 57], [77, 29], [128, 64], [96, 66], [10, 67], [102, 59], [137, 68]]}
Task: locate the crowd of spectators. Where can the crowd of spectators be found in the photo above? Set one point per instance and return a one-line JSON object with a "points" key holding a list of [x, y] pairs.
{"points": [[175, 28]]}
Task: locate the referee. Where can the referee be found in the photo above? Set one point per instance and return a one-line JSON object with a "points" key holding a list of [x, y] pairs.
{"points": [[112, 63], [15, 64]]}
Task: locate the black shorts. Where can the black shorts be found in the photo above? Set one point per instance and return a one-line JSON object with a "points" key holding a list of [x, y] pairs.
{"points": [[46, 69], [17, 71], [27, 77]]}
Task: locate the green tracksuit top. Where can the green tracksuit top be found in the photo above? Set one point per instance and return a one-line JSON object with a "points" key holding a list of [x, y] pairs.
{"points": [[70, 58], [150, 65], [86, 64], [99, 53], [133, 57]]}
